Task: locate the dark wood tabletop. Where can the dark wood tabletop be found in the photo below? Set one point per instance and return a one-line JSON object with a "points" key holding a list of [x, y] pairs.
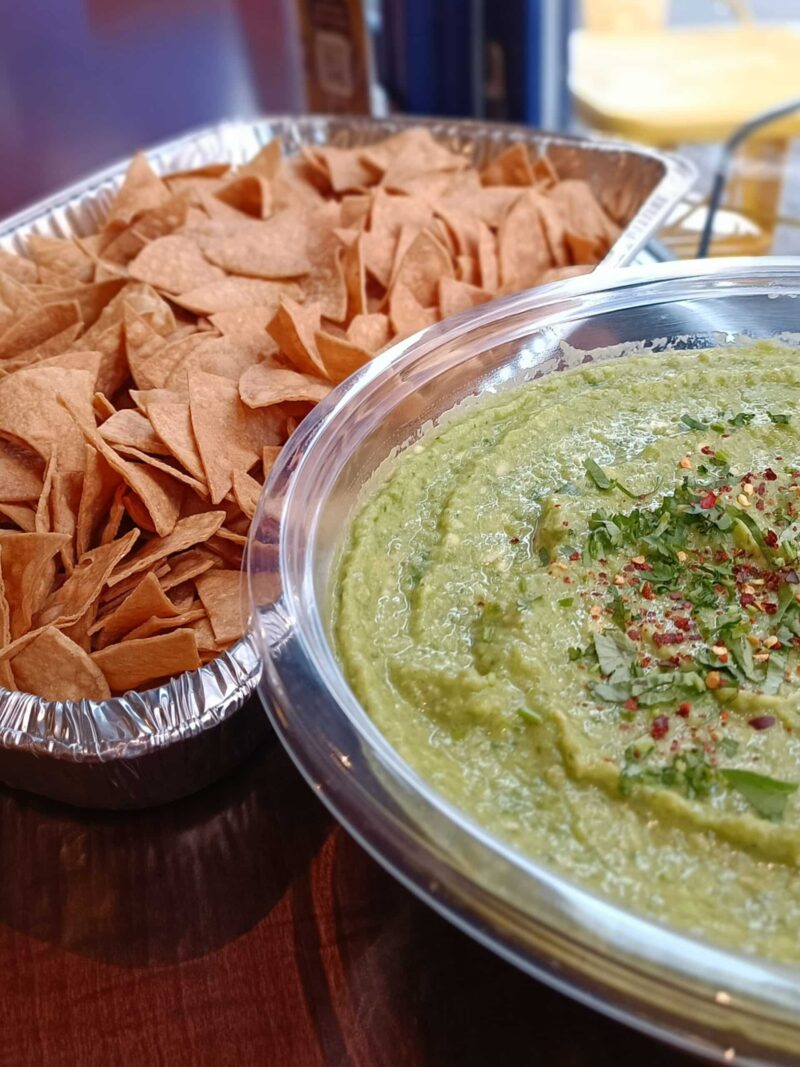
{"points": [[242, 926]]}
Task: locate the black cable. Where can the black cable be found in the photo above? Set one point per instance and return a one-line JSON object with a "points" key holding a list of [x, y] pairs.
{"points": [[723, 166]]}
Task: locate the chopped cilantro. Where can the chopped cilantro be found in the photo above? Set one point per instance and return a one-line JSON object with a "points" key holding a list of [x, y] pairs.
{"points": [[692, 423], [598, 475], [768, 796], [778, 420]]}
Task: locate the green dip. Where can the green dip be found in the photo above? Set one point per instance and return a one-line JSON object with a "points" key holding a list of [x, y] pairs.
{"points": [[573, 608]]}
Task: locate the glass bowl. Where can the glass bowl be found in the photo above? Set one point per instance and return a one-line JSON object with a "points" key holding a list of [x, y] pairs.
{"points": [[726, 1005]]}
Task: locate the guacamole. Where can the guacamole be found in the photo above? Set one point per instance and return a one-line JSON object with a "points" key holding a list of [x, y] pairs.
{"points": [[574, 608]]}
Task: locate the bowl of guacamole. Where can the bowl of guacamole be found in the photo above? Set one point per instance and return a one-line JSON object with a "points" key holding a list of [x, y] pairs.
{"points": [[533, 633]]}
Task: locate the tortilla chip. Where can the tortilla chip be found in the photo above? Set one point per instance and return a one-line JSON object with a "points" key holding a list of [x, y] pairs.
{"points": [[221, 594], [229, 435], [116, 513], [325, 282], [174, 264], [511, 167], [31, 411], [172, 423], [21, 472], [21, 269], [164, 467], [55, 668], [141, 299], [455, 297], [223, 356], [148, 599], [266, 161], [406, 314], [65, 500], [243, 322], [584, 215], [355, 279], [247, 492], [99, 485], [39, 326], [5, 615], [233, 293], [60, 255], [488, 266], [28, 573], [262, 385], [268, 456], [155, 625], [272, 249], [187, 565], [425, 262], [558, 274], [294, 328], [250, 194], [21, 515], [193, 530], [134, 664], [523, 251], [41, 520], [156, 489], [370, 332], [159, 222], [141, 190], [340, 358], [129, 428], [84, 584]]}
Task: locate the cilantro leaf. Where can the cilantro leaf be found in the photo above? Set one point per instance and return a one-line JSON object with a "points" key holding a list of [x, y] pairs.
{"points": [[614, 654], [778, 420], [742, 419], [775, 671], [597, 474], [692, 423], [768, 796]]}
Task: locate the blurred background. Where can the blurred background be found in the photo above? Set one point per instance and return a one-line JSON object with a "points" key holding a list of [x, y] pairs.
{"points": [[86, 82]]}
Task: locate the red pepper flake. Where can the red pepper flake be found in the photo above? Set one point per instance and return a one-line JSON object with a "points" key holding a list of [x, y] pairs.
{"points": [[564, 522], [515, 541], [707, 450], [709, 500], [684, 710], [659, 728], [759, 505], [647, 591], [659, 640], [771, 609], [770, 475], [746, 599], [771, 538], [631, 704], [762, 722], [721, 556], [676, 596], [682, 622], [635, 635], [761, 489], [574, 555]]}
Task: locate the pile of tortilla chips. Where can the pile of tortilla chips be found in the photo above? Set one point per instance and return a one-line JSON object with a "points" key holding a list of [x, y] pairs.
{"points": [[151, 372]]}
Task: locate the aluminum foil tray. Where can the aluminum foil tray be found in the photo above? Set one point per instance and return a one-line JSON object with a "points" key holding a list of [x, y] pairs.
{"points": [[146, 748]]}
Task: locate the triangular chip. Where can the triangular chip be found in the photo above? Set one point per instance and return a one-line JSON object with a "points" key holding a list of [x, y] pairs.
{"points": [[55, 668], [147, 599], [340, 358], [174, 264], [229, 435], [262, 385], [132, 664], [193, 530], [83, 586], [221, 593]]}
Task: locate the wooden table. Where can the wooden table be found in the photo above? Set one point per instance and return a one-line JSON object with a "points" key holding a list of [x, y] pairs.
{"points": [[242, 926]]}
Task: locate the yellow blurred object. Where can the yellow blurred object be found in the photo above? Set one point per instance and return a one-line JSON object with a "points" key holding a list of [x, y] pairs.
{"points": [[633, 76]]}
